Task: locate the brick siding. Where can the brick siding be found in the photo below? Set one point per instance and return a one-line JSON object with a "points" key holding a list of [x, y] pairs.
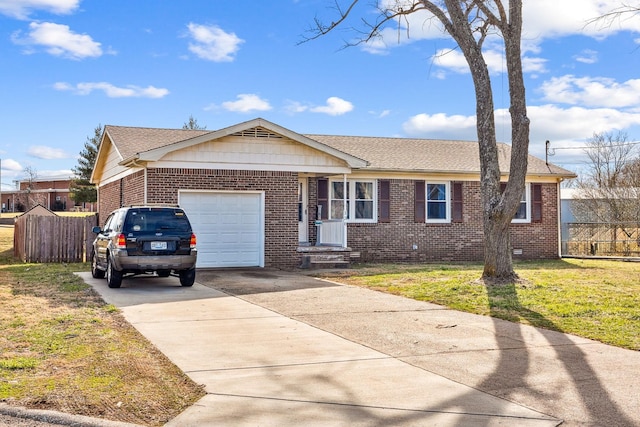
{"points": [[281, 202], [125, 192], [391, 242], [394, 241]]}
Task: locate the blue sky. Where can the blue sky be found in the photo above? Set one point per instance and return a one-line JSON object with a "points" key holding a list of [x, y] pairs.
{"points": [[70, 65]]}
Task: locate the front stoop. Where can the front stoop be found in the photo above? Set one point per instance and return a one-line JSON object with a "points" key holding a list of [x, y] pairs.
{"points": [[317, 257]]}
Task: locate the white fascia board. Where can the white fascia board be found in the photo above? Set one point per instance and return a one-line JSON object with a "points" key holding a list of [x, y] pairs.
{"points": [[101, 149]]}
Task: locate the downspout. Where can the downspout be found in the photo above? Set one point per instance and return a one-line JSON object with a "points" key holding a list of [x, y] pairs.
{"points": [[144, 190], [145, 184]]}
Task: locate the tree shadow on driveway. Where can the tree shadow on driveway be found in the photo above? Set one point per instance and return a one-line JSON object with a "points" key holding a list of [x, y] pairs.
{"points": [[518, 370]]}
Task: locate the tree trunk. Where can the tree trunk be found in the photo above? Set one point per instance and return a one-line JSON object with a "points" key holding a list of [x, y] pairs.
{"points": [[498, 265]]}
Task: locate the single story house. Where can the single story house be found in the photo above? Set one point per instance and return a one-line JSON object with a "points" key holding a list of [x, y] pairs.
{"points": [[261, 195]]}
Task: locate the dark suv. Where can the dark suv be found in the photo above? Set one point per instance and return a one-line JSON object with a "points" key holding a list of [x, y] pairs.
{"points": [[145, 239]]}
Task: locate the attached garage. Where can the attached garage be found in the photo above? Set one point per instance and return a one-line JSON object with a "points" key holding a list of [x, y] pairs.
{"points": [[229, 227]]}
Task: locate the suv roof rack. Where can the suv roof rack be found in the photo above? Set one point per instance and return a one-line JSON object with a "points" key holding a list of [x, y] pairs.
{"points": [[154, 205]]}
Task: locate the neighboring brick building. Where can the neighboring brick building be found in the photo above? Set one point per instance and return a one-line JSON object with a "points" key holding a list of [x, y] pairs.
{"points": [[50, 192], [257, 194]]}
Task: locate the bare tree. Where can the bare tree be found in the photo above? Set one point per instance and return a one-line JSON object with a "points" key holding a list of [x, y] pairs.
{"points": [[31, 175], [609, 189], [626, 9], [470, 23]]}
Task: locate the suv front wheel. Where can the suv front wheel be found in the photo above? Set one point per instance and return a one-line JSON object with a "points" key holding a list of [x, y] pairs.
{"points": [[114, 277]]}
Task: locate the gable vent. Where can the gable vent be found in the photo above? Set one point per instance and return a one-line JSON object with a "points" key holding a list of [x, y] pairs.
{"points": [[257, 132]]}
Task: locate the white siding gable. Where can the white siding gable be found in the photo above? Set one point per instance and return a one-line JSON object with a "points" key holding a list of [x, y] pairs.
{"points": [[253, 153], [111, 166]]}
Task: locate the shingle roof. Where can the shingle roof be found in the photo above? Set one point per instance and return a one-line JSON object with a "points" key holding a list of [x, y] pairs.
{"points": [[132, 140], [390, 154], [427, 155]]}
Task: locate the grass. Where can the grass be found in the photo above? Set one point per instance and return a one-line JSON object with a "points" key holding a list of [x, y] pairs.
{"points": [[594, 299], [63, 348]]}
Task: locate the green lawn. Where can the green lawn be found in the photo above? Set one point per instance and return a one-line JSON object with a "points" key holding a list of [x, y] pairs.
{"points": [[63, 348], [591, 298]]}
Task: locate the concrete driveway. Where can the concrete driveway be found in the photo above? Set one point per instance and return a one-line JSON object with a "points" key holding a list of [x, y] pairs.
{"points": [[283, 349]]}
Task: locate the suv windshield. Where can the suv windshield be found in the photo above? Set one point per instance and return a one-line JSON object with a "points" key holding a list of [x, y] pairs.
{"points": [[152, 220]]}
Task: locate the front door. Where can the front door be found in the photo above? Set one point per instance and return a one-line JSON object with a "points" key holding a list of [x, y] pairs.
{"points": [[303, 217]]}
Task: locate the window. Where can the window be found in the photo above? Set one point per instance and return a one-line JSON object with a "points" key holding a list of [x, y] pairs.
{"points": [[359, 197], [530, 209], [521, 213], [432, 202], [437, 202]]}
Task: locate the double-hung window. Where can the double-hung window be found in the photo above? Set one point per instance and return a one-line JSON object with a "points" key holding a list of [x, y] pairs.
{"points": [[523, 212], [359, 197], [437, 202], [432, 202], [530, 209]]}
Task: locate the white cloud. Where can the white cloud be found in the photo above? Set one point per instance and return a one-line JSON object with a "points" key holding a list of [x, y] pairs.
{"points": [[587, 56], [60, 173], [592, 91], [441, 125], [454, 60], [21, 9], [112, 91], [543, 20], [59, 40], [335, 107], [548, 19], [11, 165], [48, 153], [577, 123], [294, 107], [564, 127], [247, 103], [212, 43], [379, 114]]}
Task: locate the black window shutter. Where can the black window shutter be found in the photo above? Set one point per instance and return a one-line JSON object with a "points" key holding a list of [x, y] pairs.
{"points": [[536, 203], [384, 202], [323, 197], [456, 202], [420, 205]]}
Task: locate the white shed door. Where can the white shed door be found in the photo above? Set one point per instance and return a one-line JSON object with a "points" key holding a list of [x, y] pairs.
{"points": [[229, 228]]}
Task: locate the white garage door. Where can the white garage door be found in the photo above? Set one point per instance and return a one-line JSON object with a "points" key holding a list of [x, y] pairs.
{"points": [[229, 228]]}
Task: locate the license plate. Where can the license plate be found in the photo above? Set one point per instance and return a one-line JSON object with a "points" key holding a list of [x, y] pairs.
{"points": [[158, 246]]}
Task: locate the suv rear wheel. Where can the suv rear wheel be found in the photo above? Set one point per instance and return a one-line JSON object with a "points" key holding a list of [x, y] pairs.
{"points": [[188, 277], [114, 277]]}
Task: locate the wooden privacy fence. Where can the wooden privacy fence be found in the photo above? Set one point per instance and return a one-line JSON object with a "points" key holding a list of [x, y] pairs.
{"points": [[53, 238]]}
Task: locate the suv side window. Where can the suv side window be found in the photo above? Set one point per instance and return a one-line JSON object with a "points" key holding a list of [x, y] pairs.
{"points": [[107, 223], [118, 219]]}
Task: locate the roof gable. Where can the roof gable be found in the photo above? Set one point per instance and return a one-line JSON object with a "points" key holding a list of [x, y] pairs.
{"points": [[258, 128]]}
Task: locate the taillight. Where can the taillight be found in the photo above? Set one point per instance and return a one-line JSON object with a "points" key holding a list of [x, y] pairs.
{"points": [[122, 242], [192, 242]]}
